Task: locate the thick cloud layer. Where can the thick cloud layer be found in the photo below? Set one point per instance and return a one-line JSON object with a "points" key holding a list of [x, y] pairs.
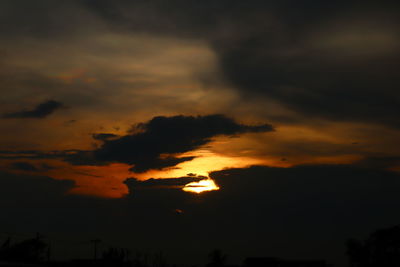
{"points": [[20, 190], [336, 61], [154, 144], [177, 183]]}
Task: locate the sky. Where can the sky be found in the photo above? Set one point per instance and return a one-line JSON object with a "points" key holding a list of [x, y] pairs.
{"points": [[263, 128]]}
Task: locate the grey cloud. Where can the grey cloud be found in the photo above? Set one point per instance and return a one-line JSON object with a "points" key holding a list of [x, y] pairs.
{"points": [[313, 58], [39, 112], [334, 60]]}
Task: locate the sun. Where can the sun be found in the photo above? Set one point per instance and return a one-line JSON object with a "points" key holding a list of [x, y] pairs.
{"points": [[201, 186]]}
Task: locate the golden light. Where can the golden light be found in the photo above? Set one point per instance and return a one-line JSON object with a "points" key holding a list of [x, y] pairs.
{"points": [[205, 162], [201, 186]]}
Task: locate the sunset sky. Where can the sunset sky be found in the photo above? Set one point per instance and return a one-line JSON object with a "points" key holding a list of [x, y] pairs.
{"points": [[263, 128]]}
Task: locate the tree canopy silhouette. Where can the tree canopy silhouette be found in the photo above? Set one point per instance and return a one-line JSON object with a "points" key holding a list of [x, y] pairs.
{"points": [[381, 249], [217, 258], [28, 251]]}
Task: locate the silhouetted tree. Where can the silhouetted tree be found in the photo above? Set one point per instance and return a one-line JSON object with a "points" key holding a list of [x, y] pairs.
{"points": [[159, 260], [6, 244], [29, 251], [139, 260], [217, 258], [115, 256], [381, 249]]}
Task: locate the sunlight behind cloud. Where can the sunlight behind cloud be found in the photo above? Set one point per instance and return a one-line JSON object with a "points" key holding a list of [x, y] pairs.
{"points": [[205, 162], [201, 186]]}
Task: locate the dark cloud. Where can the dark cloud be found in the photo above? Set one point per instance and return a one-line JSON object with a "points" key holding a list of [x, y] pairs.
{"points": [[24, 166], [75, 157], [79, 157], [313, 58], [335, 87], [68, 155], [379, 162], [135, 184], [149, 163], [336, 61], [31, 188], [318, 60], [29, 167], [41, 111], [43, 19], [154, 144], [104, 136]]}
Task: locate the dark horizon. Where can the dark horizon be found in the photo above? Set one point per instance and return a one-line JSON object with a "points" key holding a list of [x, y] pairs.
{"points": [[380, 249]]}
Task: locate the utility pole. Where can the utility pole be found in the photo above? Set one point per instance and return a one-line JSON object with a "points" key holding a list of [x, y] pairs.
{"points": [[95, 243]]}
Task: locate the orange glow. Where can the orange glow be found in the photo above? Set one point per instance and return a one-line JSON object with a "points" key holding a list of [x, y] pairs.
{"points": [[205, 162], [100, 181], [201, 186], [72, 75]]}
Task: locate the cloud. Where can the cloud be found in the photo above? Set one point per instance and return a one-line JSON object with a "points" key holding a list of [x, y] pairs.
{"points": [[39, 112], [24, 166], [104, 136], [178, 183], [157, 143], [31, 187], [29, 167], [336, 62], [322, 82], [379, 162]]}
